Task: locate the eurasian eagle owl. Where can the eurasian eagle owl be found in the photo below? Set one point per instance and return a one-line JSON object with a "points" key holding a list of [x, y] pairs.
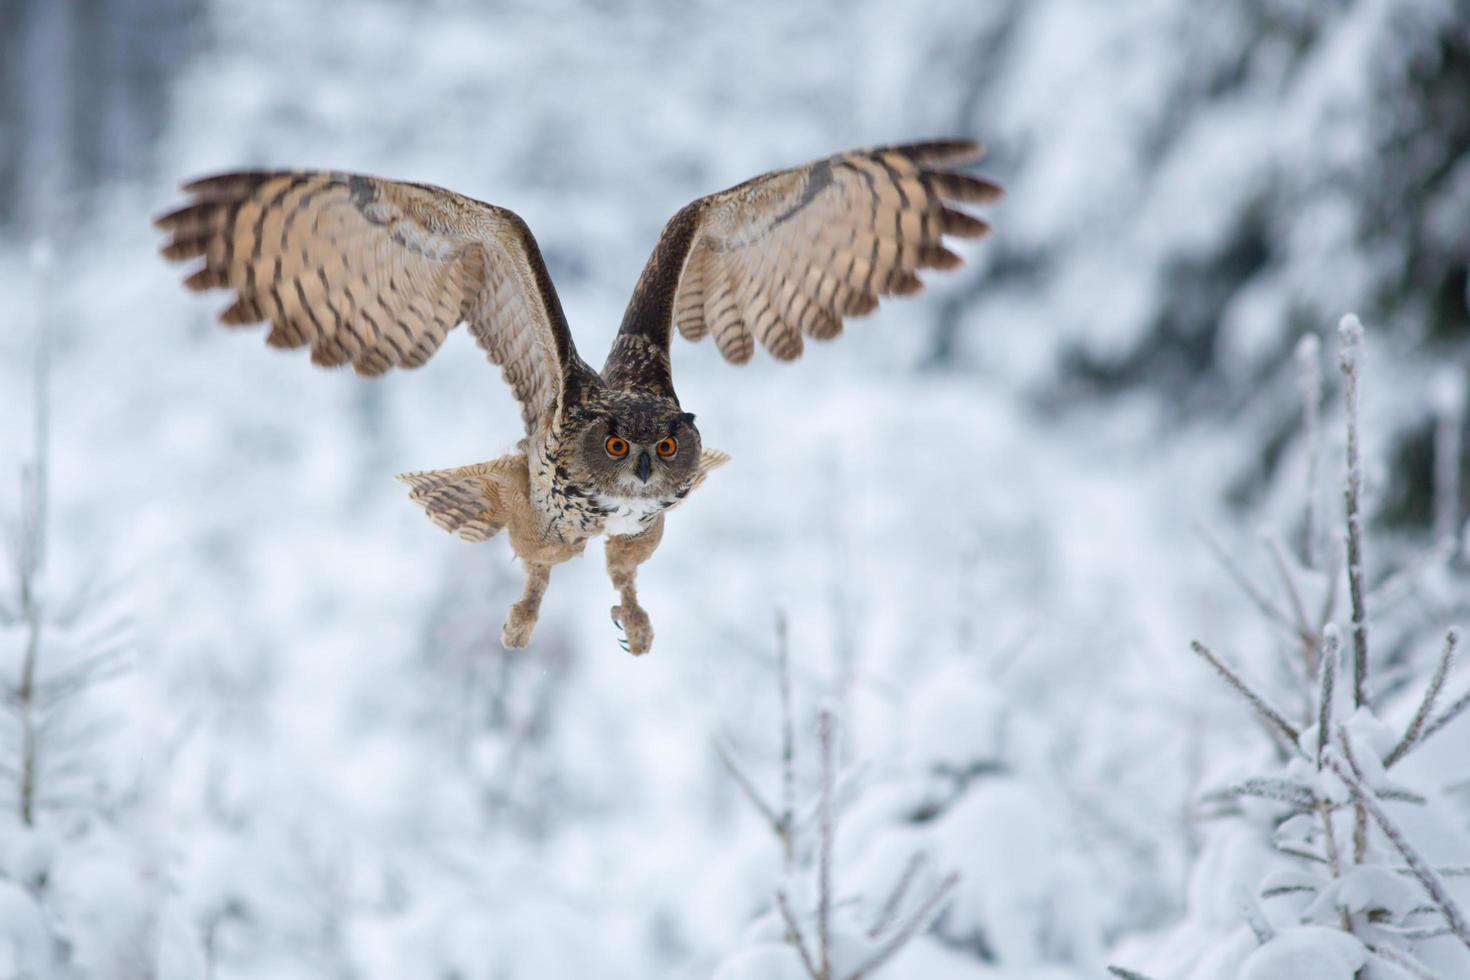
{"points": [[376, 272]]}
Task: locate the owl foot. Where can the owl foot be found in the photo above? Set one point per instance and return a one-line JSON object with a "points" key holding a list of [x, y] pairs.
{"points": [[520, 623], [637, 630]]}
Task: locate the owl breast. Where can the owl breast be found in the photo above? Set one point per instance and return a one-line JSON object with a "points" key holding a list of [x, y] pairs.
{"points": [[630, 515]]}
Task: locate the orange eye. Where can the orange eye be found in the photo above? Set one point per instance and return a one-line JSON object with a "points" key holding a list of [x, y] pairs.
{"points": [[667, 448], [616, 447]]}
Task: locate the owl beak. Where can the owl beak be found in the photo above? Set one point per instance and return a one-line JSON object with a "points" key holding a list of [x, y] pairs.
{"points": [[645, 466]]}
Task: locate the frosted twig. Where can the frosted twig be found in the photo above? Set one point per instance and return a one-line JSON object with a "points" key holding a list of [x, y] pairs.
{"points": [[798, 939], [1400, 958], [1277, 790], [889, 911], [1276, 891], [1329, 840], [1401, 795], [782, 824], [1433, 885], [1446, 716], [1250, 910], [1417, 932], [1451, 871], [827, 833], [1426, 705], [746, 786], [1350, 333], [1394, 589], [910, 927], [1126, 974], [1268, 608], [1420, 909], [1327, 668], [32, 559], [1271, 715], [1288, 581], [1309, 383], [1305, 855], [787, 821], [1360, 816]]}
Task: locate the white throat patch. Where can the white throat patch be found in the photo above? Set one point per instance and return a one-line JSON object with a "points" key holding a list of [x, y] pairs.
{"points": [[629, 515]]}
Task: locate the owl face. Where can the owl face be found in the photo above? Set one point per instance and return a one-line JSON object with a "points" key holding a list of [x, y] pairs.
{"points": [[634, 444]]}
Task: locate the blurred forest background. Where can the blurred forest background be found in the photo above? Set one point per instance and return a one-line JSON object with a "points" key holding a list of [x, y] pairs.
{"points": [[256, 720]]}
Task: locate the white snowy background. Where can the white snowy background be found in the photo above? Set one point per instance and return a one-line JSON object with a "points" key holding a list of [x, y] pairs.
{"points": [[303, 753]]}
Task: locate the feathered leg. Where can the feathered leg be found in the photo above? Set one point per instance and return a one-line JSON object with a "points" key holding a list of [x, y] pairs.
{"points": [[624, 555], [520, 622]]}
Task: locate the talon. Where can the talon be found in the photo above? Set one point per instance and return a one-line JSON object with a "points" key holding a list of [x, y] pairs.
{"points": [[514, 637], [637, 632]]}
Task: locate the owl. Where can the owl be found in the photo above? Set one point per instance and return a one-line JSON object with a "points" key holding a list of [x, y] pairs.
{"points": [[375, 273]]}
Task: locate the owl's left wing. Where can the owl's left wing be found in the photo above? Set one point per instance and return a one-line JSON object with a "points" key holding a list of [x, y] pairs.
{"points": [[790, 253]]}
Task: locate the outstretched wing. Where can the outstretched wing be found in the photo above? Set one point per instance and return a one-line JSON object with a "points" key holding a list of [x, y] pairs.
{"points": [[375, 272], [790, 253]]}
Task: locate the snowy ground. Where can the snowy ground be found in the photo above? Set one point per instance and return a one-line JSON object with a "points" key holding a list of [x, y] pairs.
{"points": [[320, 762]]}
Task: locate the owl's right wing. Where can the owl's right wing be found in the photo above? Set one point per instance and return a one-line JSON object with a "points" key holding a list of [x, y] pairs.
{"points": [[376, 272]]}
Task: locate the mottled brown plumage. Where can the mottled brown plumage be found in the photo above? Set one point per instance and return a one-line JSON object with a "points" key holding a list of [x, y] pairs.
{"points": [[375, 273]]}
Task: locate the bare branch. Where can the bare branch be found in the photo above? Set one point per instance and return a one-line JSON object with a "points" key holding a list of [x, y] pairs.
{"points": [[1426, 705], [1288, 582], [1250, 910], [787, 821], [1394, 589], [1276, 891], [1327, 668], [1446, 716], [1451, 871], [1350, 333], [1304, 854], [1125, 974], [827, 834], [1273, 717], [1277, 790], [1400, 958], [920, 919], [1433, 885], [742, 780], [1267, 608], [1360, 815], [889, 912], [797, 938]]}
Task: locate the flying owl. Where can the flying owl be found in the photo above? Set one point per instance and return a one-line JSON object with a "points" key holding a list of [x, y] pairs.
{"points": [[376, 272]]}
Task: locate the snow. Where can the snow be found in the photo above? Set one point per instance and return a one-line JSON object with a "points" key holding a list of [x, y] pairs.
{"points": [[315, 760], [1309, 953]]}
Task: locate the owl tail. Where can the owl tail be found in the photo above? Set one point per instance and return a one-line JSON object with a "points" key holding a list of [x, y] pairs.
{"points": [[470, 501], [709, 461]]}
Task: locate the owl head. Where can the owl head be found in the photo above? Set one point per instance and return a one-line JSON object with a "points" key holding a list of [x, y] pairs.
{"points": [[633, 444]]}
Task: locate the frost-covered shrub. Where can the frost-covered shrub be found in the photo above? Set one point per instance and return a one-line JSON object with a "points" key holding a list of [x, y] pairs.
{"points": [[1339, 843], [84, 890], [960, 853]]}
